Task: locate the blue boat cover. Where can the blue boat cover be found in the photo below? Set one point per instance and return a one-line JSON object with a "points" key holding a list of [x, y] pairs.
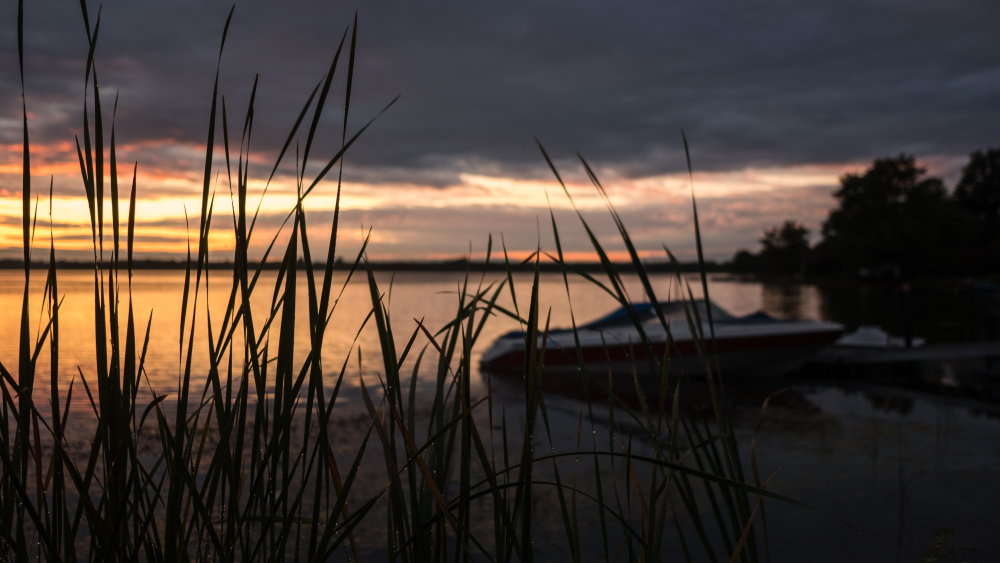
{"points": [[645, 312]]}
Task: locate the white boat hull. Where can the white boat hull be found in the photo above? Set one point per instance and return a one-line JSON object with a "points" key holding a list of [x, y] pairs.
{"points": [[747, 349]]}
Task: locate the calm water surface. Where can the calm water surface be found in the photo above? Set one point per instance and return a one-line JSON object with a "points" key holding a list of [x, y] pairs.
{"points": [[431, 297], [891, 461]]}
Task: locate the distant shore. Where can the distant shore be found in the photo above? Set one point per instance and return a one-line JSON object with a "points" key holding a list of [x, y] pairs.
{"points": [[414, 266], [717, 268]]}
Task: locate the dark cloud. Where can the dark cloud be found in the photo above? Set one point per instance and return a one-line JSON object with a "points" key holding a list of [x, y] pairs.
{"points": [[752, 84]]}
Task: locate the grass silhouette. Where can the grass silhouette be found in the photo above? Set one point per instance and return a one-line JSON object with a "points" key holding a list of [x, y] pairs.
{"points": [[267, 486]]}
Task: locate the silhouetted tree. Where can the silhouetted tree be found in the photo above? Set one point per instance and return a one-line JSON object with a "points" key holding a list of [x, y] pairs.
{"points": [[891, 217], [784, 249], [744, 262], [978, 196], [978, 193]]}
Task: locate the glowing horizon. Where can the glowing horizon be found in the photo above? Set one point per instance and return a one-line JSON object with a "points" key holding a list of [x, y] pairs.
{"points": [[165, 191]]}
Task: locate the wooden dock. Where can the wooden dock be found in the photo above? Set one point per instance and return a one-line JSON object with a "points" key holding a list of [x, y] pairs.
{"points": [[927, 353], [987, 352]]}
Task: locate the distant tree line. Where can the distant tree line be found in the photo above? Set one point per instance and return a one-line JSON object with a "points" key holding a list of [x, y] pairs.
{"points": [[894, 220]]}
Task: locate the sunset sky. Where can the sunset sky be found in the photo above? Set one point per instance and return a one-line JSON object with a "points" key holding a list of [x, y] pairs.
{"points": [[777, 99]]}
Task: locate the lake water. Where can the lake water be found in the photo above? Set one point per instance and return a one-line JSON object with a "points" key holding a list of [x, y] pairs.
{"points": [[432, 297], [891, 460]]}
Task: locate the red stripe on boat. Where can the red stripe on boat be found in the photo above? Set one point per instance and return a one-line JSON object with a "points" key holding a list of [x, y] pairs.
{"points": [[618, 352]]}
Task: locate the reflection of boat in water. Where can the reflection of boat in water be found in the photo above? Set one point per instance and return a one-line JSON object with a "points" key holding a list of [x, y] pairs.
{"points": [[756, 344]]}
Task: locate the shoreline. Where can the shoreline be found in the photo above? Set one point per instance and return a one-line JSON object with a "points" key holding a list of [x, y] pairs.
{"points": [[403, 266]]}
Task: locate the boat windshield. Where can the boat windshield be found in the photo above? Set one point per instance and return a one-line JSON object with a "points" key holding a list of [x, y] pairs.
{"points": [[673, 312]]}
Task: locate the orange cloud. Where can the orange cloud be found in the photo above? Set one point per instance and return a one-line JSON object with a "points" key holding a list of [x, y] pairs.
{"points": [[165, 190]]}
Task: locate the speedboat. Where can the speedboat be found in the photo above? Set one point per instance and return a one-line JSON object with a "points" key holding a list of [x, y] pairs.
{"points": [[754, 345]]}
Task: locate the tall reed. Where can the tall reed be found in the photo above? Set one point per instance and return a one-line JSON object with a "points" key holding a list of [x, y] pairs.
{"points": [[271, 487]]}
